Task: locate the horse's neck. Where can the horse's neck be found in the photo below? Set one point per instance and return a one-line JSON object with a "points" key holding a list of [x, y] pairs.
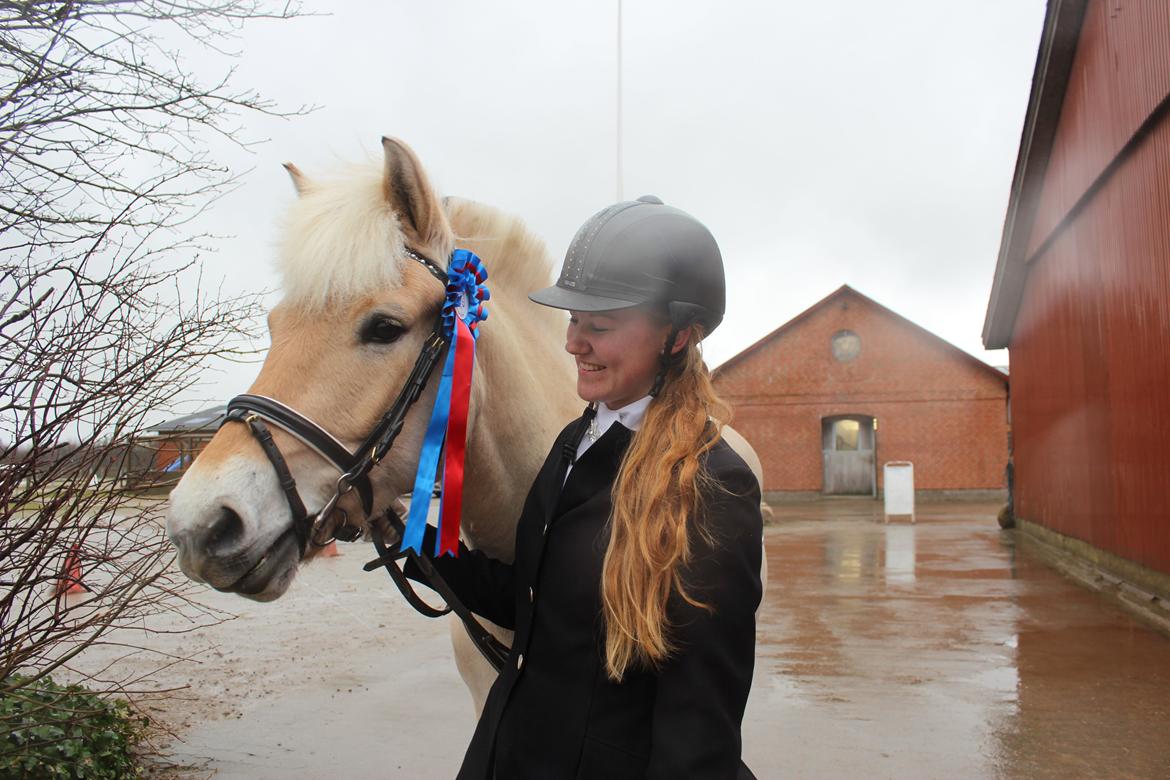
{"points": [[525, 395]]}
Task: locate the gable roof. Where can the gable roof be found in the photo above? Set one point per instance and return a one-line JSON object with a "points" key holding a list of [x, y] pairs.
{"points": [[204, 421], [1054, 61], [841, 292]]}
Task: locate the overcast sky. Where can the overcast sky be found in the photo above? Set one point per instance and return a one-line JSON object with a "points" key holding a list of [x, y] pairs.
{"points": [[824, 143]]}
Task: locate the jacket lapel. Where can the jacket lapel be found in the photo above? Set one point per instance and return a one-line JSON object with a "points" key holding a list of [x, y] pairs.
{"points": [[595, 470]]}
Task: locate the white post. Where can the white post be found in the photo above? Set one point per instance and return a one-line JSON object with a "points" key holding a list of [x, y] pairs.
{"points": [[898, 481]]}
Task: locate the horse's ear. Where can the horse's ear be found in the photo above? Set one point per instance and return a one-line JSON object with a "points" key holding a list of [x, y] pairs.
{"points": [[411, 196], [298, 179]]}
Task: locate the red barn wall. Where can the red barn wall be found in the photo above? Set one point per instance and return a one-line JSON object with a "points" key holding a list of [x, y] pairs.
{"points": [[935, 406], [1090, 350]]}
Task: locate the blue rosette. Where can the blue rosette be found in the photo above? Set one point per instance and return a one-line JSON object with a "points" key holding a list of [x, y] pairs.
{"points": [[463, 310]]}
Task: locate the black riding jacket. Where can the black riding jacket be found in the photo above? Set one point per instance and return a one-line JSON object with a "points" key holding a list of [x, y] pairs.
{"points": [[553, 714]]}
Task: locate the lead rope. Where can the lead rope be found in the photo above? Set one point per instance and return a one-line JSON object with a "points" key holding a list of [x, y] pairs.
{"points": [[493, 650]]}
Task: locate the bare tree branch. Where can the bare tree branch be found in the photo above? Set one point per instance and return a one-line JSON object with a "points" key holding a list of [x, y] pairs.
{"points": [[104, 319]]}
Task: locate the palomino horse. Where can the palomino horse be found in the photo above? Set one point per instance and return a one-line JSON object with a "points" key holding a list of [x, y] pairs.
{"points": [[355, 313]]}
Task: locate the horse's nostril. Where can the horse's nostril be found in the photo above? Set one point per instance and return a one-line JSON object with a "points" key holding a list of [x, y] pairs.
{"points": [[226, 532]]}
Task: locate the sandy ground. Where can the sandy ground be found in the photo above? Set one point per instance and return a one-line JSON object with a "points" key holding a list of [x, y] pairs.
{"points": [[281, 689], [936, 650]]}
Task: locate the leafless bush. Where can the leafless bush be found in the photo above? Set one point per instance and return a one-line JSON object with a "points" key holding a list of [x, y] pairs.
{"points": [[103, 317]]}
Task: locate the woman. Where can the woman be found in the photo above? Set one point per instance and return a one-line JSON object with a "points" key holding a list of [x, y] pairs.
{"points": [[636, 576]]}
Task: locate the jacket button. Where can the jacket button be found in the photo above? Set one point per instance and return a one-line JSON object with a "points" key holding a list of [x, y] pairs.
{"points": [[519, 661]]}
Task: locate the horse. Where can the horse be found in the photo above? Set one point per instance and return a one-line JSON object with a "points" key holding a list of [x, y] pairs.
{"points": [[357, 309]]}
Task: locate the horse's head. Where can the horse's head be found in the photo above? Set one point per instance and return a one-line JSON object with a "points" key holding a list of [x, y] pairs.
{"points": [[355, 315]]}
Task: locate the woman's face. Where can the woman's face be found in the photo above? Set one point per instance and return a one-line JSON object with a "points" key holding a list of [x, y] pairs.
{"points": [[617, 353]]}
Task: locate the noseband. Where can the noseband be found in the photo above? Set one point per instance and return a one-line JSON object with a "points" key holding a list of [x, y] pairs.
{"points": [[257, 410]]}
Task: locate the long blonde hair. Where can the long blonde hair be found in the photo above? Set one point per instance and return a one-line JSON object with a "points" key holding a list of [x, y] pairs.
{"points": [[658, 488]]}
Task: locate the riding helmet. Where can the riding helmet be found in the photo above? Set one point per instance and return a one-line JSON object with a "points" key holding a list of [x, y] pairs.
{"points": [[642, 251]]}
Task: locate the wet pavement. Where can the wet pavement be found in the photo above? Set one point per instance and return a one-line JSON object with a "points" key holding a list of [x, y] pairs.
{"points": [[943, 649]]}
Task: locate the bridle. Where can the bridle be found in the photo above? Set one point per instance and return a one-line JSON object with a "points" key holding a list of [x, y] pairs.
{"points": [[253, 410], [257, 411]]}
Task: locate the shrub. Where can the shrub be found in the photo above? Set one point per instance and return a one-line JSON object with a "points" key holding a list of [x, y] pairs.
{"points": [[53, 731]]}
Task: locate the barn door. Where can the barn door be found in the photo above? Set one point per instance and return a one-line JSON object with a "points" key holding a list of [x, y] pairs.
{"points": [[848, 449]]}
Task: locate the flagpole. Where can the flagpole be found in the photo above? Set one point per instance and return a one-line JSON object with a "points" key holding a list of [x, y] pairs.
{"points": [[619, 100]]}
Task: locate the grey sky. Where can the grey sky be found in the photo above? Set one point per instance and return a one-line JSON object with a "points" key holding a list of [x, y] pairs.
{"points": [[824, 143]]}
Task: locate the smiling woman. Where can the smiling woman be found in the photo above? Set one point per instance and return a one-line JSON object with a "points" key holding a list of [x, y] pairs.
{"points": [[637, 567]]}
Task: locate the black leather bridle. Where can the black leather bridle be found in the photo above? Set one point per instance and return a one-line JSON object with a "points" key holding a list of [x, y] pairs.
{"points": [[355, 466], [257, 411]]}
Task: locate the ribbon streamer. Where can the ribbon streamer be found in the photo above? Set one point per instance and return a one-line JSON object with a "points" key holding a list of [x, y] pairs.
{"points": [[446, 434], [452, 504]]}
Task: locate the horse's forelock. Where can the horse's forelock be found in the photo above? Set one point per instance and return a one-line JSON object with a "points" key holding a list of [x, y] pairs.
{"points": [[341, 239]]}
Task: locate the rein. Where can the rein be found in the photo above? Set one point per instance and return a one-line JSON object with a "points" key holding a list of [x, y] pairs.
{"points": [[493, 650], [255, 411]]}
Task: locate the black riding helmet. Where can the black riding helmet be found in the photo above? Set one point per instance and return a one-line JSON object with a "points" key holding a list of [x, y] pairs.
{"points": [[642, 251]]}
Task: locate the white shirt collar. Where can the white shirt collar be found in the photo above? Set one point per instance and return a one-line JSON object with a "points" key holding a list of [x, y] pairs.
{"points": [[629, 415]]}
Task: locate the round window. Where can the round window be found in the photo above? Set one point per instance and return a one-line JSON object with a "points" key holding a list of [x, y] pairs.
{"points": [[846, 345]]}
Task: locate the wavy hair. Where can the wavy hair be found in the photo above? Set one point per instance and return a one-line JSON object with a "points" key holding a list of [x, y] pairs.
{"points": [[658, 488]]}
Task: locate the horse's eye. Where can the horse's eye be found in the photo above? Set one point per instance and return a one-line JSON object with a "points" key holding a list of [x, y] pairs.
{"points": [[382, 330]]}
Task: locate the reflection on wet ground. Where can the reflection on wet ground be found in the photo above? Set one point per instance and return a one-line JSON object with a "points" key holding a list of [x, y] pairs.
{"points": [[944, 650]]}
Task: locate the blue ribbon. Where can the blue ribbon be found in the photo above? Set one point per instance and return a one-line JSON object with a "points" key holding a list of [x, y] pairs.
{"points": [[466, 277]]}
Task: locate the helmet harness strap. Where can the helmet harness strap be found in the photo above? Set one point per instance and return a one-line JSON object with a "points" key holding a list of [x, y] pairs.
{"points": [[664, 361]]}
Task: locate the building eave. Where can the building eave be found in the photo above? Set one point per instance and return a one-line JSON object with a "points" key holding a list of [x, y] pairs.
{"points": [[1054, 60], [203, 422]]}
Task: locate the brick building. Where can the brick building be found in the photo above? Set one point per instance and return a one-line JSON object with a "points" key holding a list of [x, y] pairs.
{"points": [[1081, 294], [848, 385]]}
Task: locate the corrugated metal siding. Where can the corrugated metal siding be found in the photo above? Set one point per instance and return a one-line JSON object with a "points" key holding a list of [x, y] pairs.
{"points": [[1091, 348], [1121, 72]]}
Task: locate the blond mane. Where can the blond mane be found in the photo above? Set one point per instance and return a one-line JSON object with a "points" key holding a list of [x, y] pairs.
{"points": [[342, 239], [516, 258]]}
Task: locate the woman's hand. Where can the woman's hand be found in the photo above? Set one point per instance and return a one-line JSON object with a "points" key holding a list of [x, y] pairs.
{"points": [[382, 525]]}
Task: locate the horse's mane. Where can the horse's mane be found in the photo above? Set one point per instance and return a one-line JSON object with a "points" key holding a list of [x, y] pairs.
{"points": [[341, 240], [516, 258]]}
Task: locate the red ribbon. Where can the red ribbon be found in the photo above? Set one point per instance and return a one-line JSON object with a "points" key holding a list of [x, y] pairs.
{"points": [[452, 503]]}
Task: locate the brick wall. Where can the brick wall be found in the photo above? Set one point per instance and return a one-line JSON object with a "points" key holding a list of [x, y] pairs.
{"points": [[935, 406]]}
